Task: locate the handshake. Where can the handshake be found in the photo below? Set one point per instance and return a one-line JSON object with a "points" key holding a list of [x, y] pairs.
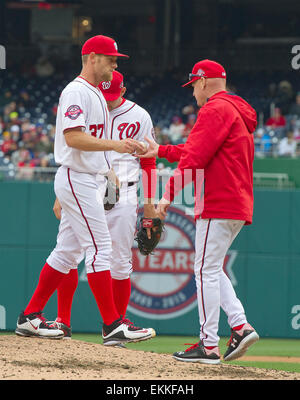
{"points": [[149, 149], [146, 149]]}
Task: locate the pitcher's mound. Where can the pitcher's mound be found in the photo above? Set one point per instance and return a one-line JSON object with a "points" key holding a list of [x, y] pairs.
{"points": [[45, 359]]}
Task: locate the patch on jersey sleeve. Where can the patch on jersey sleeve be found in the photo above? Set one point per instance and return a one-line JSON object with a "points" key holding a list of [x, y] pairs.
{"points": [[73, 112]]}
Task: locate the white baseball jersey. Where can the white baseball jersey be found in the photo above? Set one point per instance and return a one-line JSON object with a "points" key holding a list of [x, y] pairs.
{"points": [[81, 105], [129, 120]]}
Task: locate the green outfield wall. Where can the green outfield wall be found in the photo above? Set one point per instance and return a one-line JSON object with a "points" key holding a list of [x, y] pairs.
{"points": [[263, 264], [290, 166]]}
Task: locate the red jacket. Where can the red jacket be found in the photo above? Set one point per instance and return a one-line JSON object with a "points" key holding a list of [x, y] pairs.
{"points": [[220, 143]]}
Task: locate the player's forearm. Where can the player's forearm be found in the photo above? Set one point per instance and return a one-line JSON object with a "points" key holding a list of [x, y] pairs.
{"points": [[149, 178], [170, 152], [84, 142]]}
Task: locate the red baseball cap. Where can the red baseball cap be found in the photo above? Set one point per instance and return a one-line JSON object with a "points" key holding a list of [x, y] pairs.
{"points": [[101, 45], [111, 90], [206, 69]]}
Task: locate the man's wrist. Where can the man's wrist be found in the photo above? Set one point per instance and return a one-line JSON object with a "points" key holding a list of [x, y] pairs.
{"points": [[149, 201], [149, 208]]}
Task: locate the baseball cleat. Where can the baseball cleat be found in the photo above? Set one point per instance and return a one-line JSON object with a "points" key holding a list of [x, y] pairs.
{"points": [[198, 353], [123, 331], [67, 330], [35, 324], [240, 341]]}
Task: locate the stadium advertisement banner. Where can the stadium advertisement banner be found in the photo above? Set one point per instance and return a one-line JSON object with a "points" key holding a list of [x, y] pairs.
{"points": [[263, 267], [163, 287], [163, 284]]}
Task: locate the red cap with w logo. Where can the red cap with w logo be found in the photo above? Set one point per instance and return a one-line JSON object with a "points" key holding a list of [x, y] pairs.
{"points": [[101, 45], [111, 90], [206, 69]]}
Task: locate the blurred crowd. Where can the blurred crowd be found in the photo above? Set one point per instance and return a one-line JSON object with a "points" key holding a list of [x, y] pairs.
{"points": [[275, 136], [27, 143], [280, 134], [24, 143], [179, 128]]}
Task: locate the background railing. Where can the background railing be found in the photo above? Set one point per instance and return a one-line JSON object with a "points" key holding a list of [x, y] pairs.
{"points": [[274, 180]]}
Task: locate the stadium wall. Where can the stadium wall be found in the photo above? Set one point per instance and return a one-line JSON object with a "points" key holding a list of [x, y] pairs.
{"points": [[290, 166], [263, 264]]}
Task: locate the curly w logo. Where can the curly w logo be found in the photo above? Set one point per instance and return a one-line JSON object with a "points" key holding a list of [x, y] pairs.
{"points": [[2, 57]]}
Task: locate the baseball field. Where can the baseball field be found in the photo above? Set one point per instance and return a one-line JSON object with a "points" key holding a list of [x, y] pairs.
{"points": [[85, 358]]}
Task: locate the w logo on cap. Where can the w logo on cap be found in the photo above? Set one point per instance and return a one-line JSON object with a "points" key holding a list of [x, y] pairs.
{"points": [[106, 85], [116, 46], [200, 72]]}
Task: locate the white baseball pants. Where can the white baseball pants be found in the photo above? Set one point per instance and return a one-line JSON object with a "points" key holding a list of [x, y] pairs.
{"points": [[214, 289], [83, 228], [121, 221]]}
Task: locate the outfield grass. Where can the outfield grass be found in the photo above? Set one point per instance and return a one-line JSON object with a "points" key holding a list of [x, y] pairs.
{"points": [[264, 347], [169, 344]]}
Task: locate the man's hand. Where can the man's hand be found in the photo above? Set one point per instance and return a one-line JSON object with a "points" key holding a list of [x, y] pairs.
{"points": [[152, 150], [128, 146], [149, 212], [57, 209], [162, 208]]}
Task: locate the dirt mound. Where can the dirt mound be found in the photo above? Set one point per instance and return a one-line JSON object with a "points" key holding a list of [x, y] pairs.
{"points": [[41, 359]]}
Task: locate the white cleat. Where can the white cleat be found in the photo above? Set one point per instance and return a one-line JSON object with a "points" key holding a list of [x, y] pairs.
{"points": [[123, 331], [35, 325]]}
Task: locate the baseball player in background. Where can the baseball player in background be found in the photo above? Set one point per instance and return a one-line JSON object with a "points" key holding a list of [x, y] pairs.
{"points": [[81, 145], [220, 143], [127, 120]]}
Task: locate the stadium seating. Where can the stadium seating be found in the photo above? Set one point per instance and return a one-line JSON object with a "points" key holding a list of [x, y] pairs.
{"points": [[162, 96]]}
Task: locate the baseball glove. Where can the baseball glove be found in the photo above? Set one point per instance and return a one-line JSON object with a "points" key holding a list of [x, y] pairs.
{"points": [[146, 245], [112, 195]]}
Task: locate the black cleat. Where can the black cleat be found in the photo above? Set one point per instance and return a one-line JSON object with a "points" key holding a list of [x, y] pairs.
{"points": [[240, 341], [123, 331], [67, 330], [198, 353]]}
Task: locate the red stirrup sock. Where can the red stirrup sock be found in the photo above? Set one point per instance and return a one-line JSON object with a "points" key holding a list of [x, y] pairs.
{"points": [[121, 291], [101, 286], [65, 293], [48, 282]]}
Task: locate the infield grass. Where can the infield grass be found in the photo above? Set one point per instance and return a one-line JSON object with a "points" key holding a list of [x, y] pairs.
{"points": [[265, 347]]}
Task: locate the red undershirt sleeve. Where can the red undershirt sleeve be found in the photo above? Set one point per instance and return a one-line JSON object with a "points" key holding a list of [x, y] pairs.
{"points": [[171, 152], [149, 177]]}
